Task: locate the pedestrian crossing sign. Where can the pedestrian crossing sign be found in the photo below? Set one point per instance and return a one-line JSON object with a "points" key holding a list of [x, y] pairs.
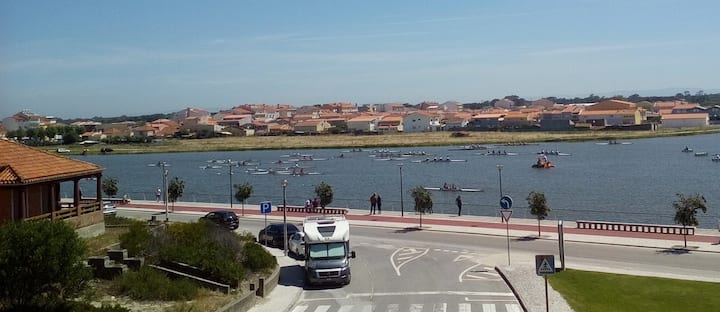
{"points": [[544, 264]]}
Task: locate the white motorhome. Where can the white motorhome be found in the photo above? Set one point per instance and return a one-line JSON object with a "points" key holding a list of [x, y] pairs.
{"points": [[327, 249]]}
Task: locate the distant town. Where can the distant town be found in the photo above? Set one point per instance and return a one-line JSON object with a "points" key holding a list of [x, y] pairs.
{"points": [[510, 113]]}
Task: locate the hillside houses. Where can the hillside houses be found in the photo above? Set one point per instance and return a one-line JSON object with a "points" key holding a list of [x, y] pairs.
{"points": [[342, 117]]}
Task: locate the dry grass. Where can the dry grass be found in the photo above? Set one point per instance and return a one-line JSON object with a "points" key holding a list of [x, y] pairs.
{"points": [[98, 245], [385, 140]]}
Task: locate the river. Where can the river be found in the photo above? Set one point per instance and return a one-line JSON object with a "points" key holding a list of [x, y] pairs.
{"points": [[632, 182]]}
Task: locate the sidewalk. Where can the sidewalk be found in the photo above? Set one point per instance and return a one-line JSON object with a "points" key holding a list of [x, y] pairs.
{"points": [[704, 240], [289, 287]]}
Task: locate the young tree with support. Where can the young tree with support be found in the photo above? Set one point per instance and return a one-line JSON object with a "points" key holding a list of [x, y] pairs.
{"points": [[175, 190], [242, 193], [686, 211], [538, 206], [109, 186], [423, 201], [325, 193]]}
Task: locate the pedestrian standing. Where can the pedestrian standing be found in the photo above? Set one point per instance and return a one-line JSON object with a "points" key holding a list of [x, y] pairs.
{"points": [[157, 195], [458, 201], [315, 203], [373, 203], [378, 203]]}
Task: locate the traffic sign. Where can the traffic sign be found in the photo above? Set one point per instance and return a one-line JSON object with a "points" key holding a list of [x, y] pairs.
{"points": [[506, 202], [544, 264], [265, 207], [506, 213]]}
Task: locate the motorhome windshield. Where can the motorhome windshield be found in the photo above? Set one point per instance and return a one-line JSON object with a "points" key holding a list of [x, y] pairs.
{"points": [[327, 250]]}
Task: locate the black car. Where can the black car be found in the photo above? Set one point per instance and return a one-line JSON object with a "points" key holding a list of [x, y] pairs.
{"points": [[224, 218], [274, 233]]}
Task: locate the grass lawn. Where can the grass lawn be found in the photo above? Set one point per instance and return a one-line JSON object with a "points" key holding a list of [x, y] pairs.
{"points": [[593, 291]]}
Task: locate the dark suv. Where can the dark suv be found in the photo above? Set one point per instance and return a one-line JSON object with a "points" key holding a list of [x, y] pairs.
{"points": [[274, 234], [224, 218]]}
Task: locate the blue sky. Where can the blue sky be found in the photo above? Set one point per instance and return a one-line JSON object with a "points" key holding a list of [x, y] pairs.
{"points": [[79, 59]]}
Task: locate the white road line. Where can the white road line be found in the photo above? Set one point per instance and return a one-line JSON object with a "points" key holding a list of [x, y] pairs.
{"points": [[393, 307], [404, 251], [421, 293], [440, 307], [512, 307], [416, 307], [322, 308], [367, 308], [460, 279], [464, 307], [301, 308], [488, 307], [345, 308]]}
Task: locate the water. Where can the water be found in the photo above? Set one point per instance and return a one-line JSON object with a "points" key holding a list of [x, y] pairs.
{"points": [[634, 182]]}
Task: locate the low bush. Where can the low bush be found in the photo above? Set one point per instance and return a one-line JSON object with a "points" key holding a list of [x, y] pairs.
{"points": [[117, 220], [257, 259], [67, 306], [150, 284], [136, 239]]}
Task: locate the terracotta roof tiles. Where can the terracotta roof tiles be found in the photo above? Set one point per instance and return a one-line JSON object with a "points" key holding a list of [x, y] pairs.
{"points": [[20, 164]]}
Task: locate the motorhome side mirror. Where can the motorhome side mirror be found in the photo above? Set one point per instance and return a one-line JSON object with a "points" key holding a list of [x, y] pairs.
{"points": [[352, 254]]}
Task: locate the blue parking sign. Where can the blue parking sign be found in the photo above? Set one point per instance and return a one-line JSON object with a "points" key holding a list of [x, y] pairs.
{"points": [[265, 207]]}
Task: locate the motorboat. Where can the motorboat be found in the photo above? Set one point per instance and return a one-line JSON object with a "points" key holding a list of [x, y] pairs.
{"points": [[701, 153], [687, 150], [715, 157], [63, 150]]}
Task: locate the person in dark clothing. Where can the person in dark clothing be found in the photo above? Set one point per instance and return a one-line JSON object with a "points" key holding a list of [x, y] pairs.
{"points": [[373, 203], [378, 203], [458, 202]]}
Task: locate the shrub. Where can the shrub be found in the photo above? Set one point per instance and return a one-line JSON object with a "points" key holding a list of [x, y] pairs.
{"points": [[150, 284], [136, 239], [117, 220], [67, 306], [40, 263], [210, 248], [257, 258]]}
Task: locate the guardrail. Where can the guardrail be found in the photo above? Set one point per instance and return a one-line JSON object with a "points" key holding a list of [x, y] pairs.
{"points": [[635, 227], [341, 211]]}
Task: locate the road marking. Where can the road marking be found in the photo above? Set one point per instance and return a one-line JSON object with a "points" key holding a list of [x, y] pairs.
{"points": [[301, 308], [322, 308], [513, 308], [346, 308], [416, 307], [367, 308], [419, 293], [440, 307], [464, 307], [393, 307], [486, 275], [463, 257], [405, 255], [488, 307]]}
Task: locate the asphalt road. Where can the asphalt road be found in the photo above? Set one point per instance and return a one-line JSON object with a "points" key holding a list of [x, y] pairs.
{"points": [[401, 270]]}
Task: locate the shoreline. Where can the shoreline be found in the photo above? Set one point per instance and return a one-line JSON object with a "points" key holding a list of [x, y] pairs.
{"points": [[422, 139]]}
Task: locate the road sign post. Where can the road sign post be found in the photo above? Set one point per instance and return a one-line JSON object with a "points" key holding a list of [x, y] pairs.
{"points": [[545, 265], [506, 203], [265, 209]]}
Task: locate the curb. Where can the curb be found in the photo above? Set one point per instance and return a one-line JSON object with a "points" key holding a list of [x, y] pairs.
{"points": [[512, 288]]}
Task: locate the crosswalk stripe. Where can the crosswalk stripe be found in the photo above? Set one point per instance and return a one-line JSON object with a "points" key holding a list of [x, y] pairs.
{"points": [[464, 307], [416, 307], [511, 307], [346, 308], [301, 308], [322, 308], [393, 307], [440, 307], [488, 307], [366, 308]]}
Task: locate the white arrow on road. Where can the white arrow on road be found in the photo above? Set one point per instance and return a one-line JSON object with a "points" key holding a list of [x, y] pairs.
{"points": [[405, 255]]}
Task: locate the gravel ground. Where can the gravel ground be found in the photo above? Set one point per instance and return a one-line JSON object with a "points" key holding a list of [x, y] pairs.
{"points": [[531, 288]]}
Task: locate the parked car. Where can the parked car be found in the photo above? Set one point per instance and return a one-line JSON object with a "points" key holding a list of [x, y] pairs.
{"points": [[225, 218], [296, 244], [109, 209], [274, 234]]}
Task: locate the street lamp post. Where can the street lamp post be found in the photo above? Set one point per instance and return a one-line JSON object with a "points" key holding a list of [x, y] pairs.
{"points": [[499, 167], [162, 165], [402, 208], [285, 249], [231, 185]]}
